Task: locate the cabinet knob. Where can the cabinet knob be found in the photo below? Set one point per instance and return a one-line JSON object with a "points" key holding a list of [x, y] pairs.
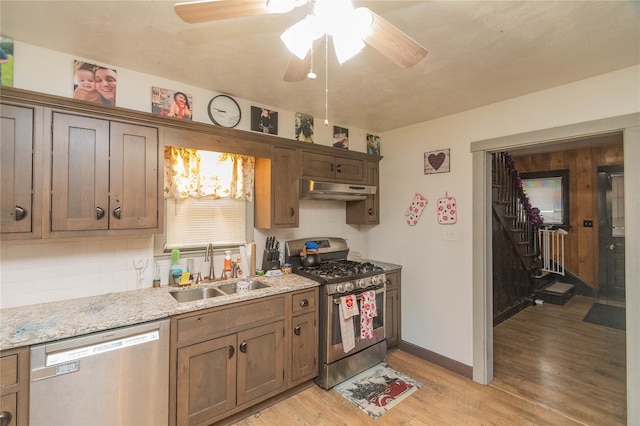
{"points": [[292, 213], [117, 212], [370, 212], [5, 418], [99, 213], [232, 350], [296, 330], [21, 213], [339, 168], [304, 303], [243, 347]]}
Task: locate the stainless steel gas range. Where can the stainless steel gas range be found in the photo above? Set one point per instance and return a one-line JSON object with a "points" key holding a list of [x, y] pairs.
{"points": [[341, 277]]}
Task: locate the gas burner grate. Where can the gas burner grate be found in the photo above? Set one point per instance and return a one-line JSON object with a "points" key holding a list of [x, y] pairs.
{"points": [[341, 269]]}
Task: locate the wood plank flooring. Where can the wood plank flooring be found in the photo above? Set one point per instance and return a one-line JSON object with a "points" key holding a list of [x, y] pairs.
{"points": [[550, 369]]}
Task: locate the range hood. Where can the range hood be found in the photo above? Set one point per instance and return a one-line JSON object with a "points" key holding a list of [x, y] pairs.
{"points": [[317, 190]]}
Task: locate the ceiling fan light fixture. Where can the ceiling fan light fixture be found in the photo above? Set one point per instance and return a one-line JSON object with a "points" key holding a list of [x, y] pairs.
{"points": [[298, 38], [346, 46], [283, 6]]}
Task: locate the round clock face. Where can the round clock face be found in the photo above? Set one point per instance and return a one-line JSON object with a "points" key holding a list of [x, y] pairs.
{"points": [[224, 111]]}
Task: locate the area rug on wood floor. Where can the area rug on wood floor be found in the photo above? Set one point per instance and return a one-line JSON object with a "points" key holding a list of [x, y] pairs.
{"points": [[377, 389], [607, 315]]}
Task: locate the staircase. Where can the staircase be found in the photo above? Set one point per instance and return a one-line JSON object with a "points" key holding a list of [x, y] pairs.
{"points": [[516, 244]]}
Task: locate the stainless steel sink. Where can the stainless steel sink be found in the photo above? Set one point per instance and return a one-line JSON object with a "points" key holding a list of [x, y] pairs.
{"points": [[232, 288], [196, 294]]}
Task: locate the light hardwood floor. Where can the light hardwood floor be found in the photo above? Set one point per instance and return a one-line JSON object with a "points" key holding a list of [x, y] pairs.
{"points": [[551, 368]]}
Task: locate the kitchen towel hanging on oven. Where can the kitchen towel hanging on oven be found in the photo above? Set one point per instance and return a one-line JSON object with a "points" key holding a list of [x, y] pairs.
{"points": [[348, 309], [368, 310]]}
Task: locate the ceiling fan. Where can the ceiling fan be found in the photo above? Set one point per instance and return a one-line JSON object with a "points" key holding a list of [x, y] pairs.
{"points": [[350, 29]]}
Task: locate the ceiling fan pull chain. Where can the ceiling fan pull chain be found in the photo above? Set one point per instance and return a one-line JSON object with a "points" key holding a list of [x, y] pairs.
{"points": [[326, 80], [312, 75]]}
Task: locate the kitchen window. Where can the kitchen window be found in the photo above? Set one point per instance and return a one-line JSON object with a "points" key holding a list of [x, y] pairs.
{"points": [[208, 199]]}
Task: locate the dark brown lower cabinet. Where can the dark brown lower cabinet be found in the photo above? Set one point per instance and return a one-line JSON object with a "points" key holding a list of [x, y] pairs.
{"points": [[392, 311], [232, 357]]}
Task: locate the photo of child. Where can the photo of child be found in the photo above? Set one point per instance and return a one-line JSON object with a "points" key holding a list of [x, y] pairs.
{"points": [[340, 137], [373, 144], [6, 62], [94, 83], [171, 103], [85, 83], [264, 120]]}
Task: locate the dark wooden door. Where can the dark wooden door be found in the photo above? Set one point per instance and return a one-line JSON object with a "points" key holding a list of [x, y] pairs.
{"points": [[611, 231]]}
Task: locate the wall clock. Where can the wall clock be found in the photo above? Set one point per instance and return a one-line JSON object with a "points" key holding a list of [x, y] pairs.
{"points": [[224, 111]]}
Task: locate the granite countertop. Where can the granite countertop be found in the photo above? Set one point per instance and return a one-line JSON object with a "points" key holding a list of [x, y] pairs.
{"points": [[46, 322]]}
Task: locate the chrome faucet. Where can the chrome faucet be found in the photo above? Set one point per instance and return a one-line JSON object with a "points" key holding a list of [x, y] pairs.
{"points": [[208, 257]]}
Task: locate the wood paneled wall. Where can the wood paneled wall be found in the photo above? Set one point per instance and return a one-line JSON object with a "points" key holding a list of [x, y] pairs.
{"points": [[581, 244]]}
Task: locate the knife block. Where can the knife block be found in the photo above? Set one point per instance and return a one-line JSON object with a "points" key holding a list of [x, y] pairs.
{"points": [[267, 264]]}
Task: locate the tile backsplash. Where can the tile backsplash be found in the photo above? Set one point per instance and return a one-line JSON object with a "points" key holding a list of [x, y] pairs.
{"points": [[50, 270]]}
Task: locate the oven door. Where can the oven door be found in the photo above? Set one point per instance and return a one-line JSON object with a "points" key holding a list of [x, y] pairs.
{"points": [[334, 349]]}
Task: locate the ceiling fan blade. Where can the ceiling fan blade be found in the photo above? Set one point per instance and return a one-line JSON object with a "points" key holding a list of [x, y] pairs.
{"points": [[215, 10], [297, 69], [387, 39]]}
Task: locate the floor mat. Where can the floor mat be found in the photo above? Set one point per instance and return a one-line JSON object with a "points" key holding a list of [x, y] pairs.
{"points": [[607, 315], [377, 389]]}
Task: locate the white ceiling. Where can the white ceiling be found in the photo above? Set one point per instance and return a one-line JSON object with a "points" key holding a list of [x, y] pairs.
{"points": [[480, 52]]}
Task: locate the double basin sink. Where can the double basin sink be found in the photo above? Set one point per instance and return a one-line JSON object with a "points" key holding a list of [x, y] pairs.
{"points": [[194, 294]]}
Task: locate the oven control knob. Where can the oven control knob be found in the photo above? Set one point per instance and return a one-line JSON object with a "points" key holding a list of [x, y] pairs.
{"points": [[348, 286], [340, 288], [362, 283]]}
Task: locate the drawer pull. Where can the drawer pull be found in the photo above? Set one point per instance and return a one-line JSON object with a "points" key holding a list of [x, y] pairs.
{"points": [[243, 347], [339, 168], [292, 212], [304, 303], [370, 212], [117, 212], [99, 213], [5, 418], [296, 331], [232, 351]]}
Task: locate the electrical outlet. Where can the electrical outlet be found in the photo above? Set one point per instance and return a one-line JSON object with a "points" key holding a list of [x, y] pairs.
{"points": [[449, 235], [587, 223]]}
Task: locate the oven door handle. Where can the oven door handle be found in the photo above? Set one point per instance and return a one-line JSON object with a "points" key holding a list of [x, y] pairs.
{"points": [[336, 300]]}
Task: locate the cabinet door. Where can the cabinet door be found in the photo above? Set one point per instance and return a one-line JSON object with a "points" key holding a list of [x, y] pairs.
{"points": [[285, 187], [14, 387], [206, 380], [349, 169], [16, 169], [133, 177], [80, 173], [318, 166], [391, 317], [367, 211], [304, 347], [260, 361]]}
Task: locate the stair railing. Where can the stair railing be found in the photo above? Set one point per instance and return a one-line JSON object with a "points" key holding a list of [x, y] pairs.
{"points": [[523, 219]]}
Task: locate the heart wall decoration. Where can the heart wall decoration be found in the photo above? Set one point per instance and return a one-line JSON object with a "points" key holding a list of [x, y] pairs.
{"points": [[437, 161]]}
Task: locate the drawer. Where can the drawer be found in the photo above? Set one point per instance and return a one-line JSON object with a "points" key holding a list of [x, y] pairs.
{"points": [[304, 301], [229, 319], [393, 280], [8, 370]]}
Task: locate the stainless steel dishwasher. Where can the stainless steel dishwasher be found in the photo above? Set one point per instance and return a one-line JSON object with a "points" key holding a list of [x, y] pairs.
{"points": [[117, 377]]}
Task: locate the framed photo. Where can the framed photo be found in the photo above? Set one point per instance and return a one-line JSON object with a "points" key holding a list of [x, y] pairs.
{"points": [[94, 83], [437, 161], [373, 144], [171, 103], [340, 137], [6, 62], [304, 127], [264, 120]]}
